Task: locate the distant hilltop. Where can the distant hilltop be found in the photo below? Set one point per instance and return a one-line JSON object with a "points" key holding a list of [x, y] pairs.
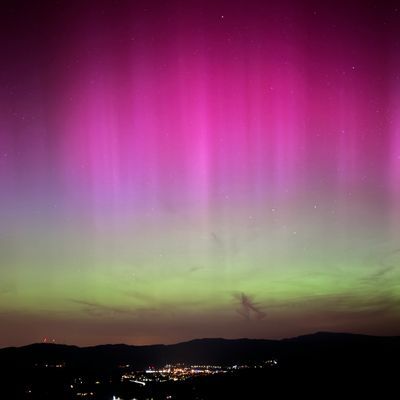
{"points": [[318, 348]]}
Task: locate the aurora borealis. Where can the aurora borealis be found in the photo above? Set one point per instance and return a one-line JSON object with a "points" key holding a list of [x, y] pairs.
{"points": [[181, 169]]}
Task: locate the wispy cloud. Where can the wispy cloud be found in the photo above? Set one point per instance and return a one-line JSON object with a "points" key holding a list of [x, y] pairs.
{"points": [[248, 308], [98, 310], [7, 288], [386, 266]]}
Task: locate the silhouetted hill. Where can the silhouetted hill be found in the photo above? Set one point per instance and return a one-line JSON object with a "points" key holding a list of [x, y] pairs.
{"points": [[321, 365], [196, 351], [322, 348]]}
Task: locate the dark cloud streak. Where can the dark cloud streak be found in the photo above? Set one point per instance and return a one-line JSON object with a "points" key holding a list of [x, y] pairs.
{"points": [[248, 308]]}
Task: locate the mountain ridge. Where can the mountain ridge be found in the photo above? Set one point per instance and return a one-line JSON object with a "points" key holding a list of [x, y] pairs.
{"points": [[318, 334], [294, 351]]}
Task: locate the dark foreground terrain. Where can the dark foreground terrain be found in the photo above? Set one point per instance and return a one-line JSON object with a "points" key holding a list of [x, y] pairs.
{"points": [[323, 365]]}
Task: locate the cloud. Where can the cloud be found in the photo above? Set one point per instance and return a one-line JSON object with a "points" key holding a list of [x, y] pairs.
{"points": [[99, 310], [216, 239], [386, 265], [7, 288], [195, 268], [247, 307], [380, 274], [95, 309]]}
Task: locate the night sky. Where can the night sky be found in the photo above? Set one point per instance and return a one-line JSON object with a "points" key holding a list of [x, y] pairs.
{"points": [[181, 169]]}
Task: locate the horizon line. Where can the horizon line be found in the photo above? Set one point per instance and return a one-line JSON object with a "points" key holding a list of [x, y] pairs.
{"points": [[199, 339]]}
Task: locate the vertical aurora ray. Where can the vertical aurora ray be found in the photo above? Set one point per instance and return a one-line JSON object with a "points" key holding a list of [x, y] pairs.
{"points": [[157, 159]]}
